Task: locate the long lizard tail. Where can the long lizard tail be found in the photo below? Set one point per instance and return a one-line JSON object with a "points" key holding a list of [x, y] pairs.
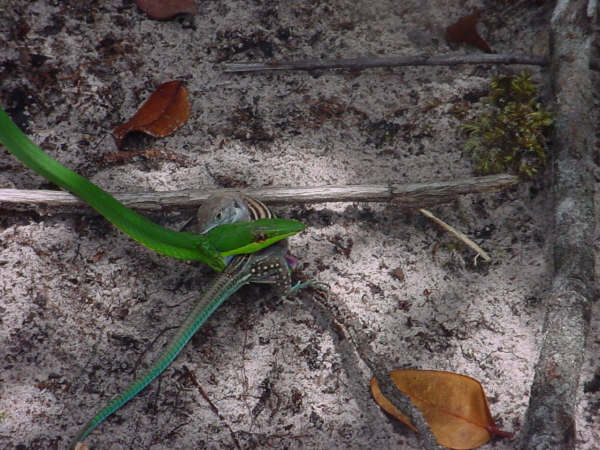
{"points": [[220, 290]]}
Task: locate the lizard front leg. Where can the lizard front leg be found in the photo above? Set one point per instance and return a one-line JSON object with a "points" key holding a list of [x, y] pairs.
{"points": [[270, 266], [274, 266]]}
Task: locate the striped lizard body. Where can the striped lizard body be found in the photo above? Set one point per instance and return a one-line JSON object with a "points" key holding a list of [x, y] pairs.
{"points": [[266, 266]]}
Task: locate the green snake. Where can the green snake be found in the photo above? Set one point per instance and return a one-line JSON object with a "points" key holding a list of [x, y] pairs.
{"points": [[210, 248]]}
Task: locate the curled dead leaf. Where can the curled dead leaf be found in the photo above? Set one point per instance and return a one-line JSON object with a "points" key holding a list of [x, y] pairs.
{"points": [[167, 109], [454, 406], [465, 31], [166, 9]]}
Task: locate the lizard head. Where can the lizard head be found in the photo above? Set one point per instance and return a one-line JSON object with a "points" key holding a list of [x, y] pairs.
{"points": [[221, 209]]}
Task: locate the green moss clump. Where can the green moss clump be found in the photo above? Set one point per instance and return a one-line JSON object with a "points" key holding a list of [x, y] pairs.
{"points": [[510, 135]]}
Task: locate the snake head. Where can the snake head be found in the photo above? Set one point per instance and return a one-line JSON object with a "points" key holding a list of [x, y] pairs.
{"points": [[221, 209]]}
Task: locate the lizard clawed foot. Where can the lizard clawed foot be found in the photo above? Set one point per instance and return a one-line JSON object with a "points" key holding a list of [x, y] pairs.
{"points": [[319, 285]]}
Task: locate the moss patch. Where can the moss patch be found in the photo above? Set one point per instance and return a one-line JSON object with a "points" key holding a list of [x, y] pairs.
{"points": [[510, 136]]}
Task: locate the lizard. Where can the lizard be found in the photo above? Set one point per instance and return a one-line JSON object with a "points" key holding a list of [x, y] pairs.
{"points": [[271, 265]]}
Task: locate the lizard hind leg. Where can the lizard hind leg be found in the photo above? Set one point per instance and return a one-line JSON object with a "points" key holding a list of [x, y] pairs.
{"points": [[321, 286]]}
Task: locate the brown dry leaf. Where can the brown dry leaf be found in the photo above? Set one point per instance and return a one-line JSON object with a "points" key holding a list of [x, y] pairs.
{"points": [[465, 31], [388, 406], [454, 406], [167, 109], [165, 9]]}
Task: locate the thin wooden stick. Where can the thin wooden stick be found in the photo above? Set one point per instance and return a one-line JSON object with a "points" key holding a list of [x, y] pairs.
{"points": [[404, 195], [213, 408], [459, 235], [386, 61]]}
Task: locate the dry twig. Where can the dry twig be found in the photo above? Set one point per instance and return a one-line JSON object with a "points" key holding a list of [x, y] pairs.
{"points": [[213, 408], [459, 235], [404, 195], [366, 62]]}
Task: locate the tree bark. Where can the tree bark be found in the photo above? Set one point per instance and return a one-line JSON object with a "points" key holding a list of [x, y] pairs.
{"points": [[550, 420]]}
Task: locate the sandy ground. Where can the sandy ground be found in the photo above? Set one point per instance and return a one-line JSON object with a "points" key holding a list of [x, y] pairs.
{"points": [[82, 304]]}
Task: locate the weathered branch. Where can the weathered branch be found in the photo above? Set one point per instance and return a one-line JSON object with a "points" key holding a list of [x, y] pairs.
{"points": [[404, 195], [550, 421], [346, 329], [386, 61]]}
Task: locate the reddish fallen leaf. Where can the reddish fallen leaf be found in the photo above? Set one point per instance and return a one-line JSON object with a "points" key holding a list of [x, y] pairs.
{"points": [[388, 406], [167, 109], [454, 406], [465, 31], [165, 9]]}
